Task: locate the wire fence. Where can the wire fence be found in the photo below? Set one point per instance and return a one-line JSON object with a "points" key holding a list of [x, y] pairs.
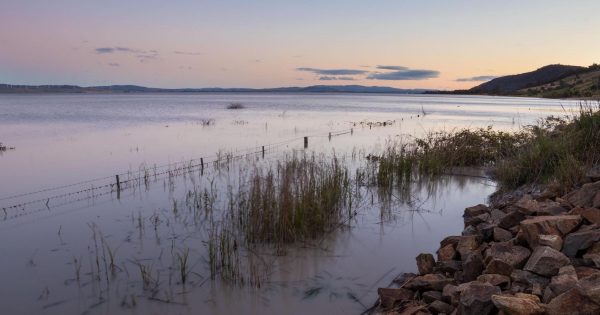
{"points": [[117, 183]]}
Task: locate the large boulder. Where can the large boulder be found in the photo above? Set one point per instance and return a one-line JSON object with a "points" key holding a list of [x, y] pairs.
{"points": [[564, 281], [439, 307], [580, 240], [430, 296], [498, 280], [548, 225], [512, 219], [525, 281], [501, 235], [498, 266], [584, 197], [475, 211], [425, 263], [428, 282], [520, 304], [546, 261], [476, 299], [446, 253], [472, 267]]}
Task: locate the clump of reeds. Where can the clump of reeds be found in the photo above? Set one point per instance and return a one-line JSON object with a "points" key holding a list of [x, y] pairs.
{"points": [[298, 199], [559, 150], [235, 106]]}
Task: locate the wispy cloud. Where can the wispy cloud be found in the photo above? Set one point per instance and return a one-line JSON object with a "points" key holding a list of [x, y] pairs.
{"points": [[328, 72], [141, 55], [330, 78], [397, 68], [481, 78], [404, 75], [114, 64], [189, 53]]}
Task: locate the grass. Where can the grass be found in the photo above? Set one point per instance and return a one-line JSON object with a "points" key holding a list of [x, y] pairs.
{"points": [[557, 150], [235, 106]]}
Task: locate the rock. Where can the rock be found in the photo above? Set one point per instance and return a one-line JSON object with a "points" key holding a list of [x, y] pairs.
{"points": [[596, 201], [593, 254], [514, 255], [593, 174], [425, 263], [546, 261], [428, 282], [592, 215], [580, 240], [449, 266], [431, 296], [528, 278], [475, 211], [388, 297], [553, 241], [498, 266], [498, 280], [548, 225], [466, 245], [403, 278], [412, 309], [450, 240], [520, 304], [584, 197], [472, 267], [512, 219], [486, 230], [527, 205], [474, 221], [565, 280], [496, 215], [451, 294], [470, 231], [501, 235], [439, 307], [550, 208], [446, 253], [476, 298], [572, 302], [583, 271], [590, 287]]}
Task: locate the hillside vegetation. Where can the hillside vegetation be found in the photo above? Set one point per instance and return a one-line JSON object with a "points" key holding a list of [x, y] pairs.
{"points": [[586, 84]]}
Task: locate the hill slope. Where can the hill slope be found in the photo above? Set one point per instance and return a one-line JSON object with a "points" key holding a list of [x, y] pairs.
{"points": [[586, 84], [513, 83]]}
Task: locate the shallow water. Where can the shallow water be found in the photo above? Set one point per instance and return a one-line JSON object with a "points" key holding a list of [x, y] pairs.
{"points": [[65, 139]]}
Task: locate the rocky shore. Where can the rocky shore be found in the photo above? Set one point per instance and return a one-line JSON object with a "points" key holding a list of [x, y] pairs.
{"points": [[528, 252]]}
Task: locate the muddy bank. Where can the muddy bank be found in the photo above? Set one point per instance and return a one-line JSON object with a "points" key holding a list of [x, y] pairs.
{"points": [[530, 251]]}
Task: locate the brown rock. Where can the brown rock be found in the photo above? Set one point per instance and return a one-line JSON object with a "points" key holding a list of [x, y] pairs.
{"points": [[583, 271], [546, 261], [514, 255], [412, 309], [476, 298], [592, 215], [553, 241], [580, 240], [520, 304], [403, 278], [590, 287], [584, 197], [449, 266], [446, 253], [450, 240], [501, 235], [388, 297], [527, 205], [475, 210], [565, 280], [431, 296], [451, 294], [498, 280], [528, 278], [498, 266], [512, 219], [466, 245], [428, 282], [472, 267], [548, 225], [439, 307], [425, 263], [496, 215], [572, 302], [550, 208]]}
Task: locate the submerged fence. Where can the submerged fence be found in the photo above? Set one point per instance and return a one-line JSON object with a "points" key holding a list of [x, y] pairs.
{"points": [[117, 183]]}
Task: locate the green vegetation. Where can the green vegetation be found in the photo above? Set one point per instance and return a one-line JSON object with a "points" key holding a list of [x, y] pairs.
{"points": [[557, 151]]}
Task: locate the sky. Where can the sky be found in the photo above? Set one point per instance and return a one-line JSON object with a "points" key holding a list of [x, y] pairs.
{"points": [[434, 44]]}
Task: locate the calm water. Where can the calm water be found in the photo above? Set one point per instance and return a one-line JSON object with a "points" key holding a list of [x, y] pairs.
{"points": [[64, 139]]}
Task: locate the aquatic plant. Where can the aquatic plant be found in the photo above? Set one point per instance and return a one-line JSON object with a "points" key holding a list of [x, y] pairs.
{"points": [[235, 106]]}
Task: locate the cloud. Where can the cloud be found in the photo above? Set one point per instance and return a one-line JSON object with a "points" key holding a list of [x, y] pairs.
{"points": [[397, 68], [480, 78], [404, 75], [110, 50], [330, 78], [328, 72], [114, 64], [189, 53]]}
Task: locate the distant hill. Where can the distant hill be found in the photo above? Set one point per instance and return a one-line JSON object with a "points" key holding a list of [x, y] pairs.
{"points": [[584, 84], [511, 84], [9, 88]]}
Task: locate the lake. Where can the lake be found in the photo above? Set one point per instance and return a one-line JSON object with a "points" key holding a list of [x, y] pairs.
{"points": [[74, 243]]}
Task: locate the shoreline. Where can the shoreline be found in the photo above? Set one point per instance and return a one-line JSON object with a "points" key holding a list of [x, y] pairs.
{"points": [[530, 251]]}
